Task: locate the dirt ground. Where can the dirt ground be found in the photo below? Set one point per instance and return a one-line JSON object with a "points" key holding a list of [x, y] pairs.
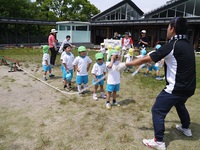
{"points": [[36, 116]]}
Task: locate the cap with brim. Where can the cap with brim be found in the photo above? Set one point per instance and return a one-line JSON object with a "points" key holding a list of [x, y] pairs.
{"points": [[112, 52], [82, 49], [102, 44], [143, 31], [117, 48], [109, 47], [45, 48], [98, 56], [54, 31], [130, 51]]}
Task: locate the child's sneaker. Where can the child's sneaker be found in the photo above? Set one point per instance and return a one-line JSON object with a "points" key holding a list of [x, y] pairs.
{"points": [[102, 95], [153, 144], [108, 106], [45, 78], [187, 132], [51, 75], [159, 78], [95, 96], [65, 86], [116, 104]]}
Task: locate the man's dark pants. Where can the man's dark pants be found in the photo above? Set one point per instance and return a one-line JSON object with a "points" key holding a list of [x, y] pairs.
{"points": [[164, 102]]}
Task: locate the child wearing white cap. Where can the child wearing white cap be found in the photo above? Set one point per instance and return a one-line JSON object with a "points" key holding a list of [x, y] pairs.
{"points": [[103, 48], [98, 71]]}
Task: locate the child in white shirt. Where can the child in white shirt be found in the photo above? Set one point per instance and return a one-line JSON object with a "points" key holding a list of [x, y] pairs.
{"points": [[103, 48], [46, 62], [129, 57], [113, 81], [67, 61], [98, 71], [82, 65]]}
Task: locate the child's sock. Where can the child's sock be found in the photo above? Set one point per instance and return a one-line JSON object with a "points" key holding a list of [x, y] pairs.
{"points": [[108, 102], [79, 88], [85, 86], [114, 101]]}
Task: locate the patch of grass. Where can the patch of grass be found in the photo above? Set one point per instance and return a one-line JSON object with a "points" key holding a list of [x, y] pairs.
{"points": [[73, 122]]}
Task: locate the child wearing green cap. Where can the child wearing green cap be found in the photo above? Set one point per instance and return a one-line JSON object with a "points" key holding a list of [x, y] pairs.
{"points": [[82, 65], [46, 62], [98, 71], [113, 81]]}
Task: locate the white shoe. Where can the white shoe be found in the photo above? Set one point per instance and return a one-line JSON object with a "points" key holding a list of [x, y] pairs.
{"points": [[187, 132], [95, 97], [108, 106], [103, 95], [153, 144]]}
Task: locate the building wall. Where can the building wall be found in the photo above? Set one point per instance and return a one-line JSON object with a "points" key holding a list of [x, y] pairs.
{"points": [[155, 33]]}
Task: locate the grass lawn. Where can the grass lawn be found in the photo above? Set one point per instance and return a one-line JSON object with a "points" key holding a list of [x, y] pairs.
{"points": [[47, 119]]}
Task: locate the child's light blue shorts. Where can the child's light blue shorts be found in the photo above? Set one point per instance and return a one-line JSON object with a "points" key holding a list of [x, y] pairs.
{"points": [[62, 67], [81, 79], [153, 67], [46, 68], [64, 73], [100, 82], [112, 87]]}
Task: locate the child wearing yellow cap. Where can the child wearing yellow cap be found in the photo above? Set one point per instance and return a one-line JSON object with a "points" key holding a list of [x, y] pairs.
{"points": [[46, 62], [129, 57], [98, 71], [109, 47]]}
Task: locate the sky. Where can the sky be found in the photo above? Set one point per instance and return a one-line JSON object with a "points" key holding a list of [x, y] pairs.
{"points": [[144, 5]]}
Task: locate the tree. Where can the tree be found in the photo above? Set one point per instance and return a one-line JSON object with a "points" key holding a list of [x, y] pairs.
{"points": [[79, 10], [16, 8]]}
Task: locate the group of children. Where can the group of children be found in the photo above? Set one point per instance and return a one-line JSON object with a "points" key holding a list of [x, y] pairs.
{"points": [[81, 65]]}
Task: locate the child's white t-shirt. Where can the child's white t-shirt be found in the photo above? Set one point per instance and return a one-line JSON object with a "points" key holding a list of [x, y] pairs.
{"points": [[46, 57], [82, 64], [98, 69], [113, 73], [68, 60], [128, 58], [62, 54], [103, 50]]}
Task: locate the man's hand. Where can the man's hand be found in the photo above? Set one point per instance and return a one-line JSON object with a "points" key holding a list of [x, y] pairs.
{"points": [[121, 66]]}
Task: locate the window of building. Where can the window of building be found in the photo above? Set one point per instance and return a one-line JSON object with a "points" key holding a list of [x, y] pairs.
{"points": [[64, 27], [197, 10], [81, 28], [189, 8]]}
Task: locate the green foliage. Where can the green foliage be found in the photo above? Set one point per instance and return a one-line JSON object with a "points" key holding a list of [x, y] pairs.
{"points": [[16, 9], [79, 10]]}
